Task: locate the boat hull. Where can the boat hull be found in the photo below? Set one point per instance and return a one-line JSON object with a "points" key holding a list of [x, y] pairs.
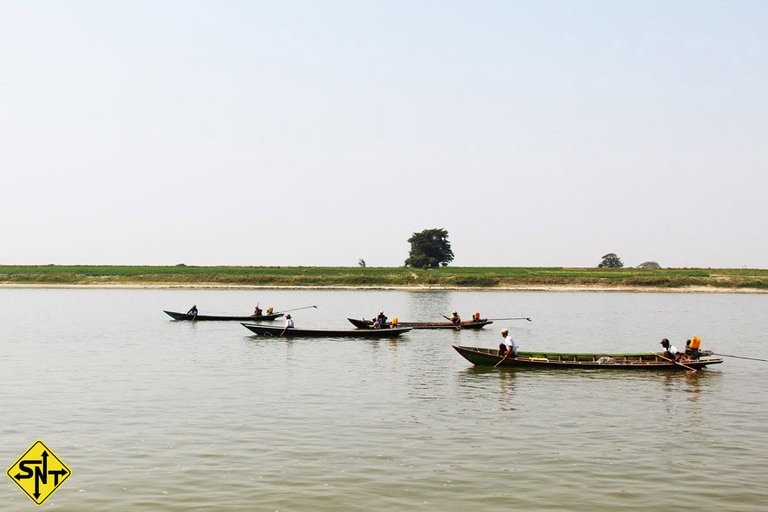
{"points": [[268, 330], [550, 360], [198, 318], [366, 324]]}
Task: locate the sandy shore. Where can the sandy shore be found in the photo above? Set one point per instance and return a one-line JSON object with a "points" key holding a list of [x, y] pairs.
{"points": [[534, 288]]}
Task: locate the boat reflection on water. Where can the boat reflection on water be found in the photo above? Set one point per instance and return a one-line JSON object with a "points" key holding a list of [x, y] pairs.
{"points": [[693, 384], [507, 390], [476, 380], [390, 345]]}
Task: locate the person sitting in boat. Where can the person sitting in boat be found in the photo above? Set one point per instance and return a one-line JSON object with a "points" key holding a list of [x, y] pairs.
{"points": [[476, 316], [455, 318], [270, 309], [692, 347], [257, 311], [381, 319], [193, 311], [508, 347], [670, 351], [288, 324], [393, 323]]}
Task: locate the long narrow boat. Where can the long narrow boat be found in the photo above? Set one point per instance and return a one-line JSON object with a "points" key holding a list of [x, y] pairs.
{"points": [[268, 330], [252, 318], [555, 360], [471, 324]]}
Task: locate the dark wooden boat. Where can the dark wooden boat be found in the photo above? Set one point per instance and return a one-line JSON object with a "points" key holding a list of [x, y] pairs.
{"points": [[555, 360], [252, 318], [268, 330], [470, 324]]}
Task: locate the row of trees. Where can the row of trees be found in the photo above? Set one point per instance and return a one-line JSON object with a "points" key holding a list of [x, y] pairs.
{"points": [[610, 260], [430, 249]]}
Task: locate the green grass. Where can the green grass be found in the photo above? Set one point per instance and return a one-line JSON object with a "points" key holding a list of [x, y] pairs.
{"points": [[460, 277]]}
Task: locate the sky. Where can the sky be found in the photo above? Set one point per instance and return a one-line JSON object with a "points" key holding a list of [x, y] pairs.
{"points": [[537, 133]]}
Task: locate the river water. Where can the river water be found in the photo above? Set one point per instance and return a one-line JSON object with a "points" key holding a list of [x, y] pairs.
{"points": [[153, 414]]}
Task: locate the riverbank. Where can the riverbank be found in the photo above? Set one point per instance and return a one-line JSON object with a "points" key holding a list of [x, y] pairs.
{"points": [[551, 288], [390, 278]]}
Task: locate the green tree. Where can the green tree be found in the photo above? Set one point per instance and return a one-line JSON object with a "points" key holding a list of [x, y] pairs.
{"points": [[610, 260], [429, 249]]}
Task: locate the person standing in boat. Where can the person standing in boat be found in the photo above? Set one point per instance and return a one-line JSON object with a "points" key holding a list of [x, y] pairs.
{"points": [[508, 347], [193, 311], [288, 324], [381, 319], [670, 351], [257, 311]]}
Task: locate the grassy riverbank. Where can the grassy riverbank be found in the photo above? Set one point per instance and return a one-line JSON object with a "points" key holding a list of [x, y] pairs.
{"points": [[448, 277]]}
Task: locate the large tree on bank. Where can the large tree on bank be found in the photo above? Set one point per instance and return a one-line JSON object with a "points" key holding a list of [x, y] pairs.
{"points": [[610, 260], [429, 249]]}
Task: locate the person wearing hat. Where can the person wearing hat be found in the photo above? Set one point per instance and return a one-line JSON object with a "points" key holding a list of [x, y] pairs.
{"points": [[455, 318], [381, 319], [508, 347], [288, 324], [670, 351]]}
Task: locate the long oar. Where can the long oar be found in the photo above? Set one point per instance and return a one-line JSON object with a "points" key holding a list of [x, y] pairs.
{"points": [[506, 356], [675, 362], [296, 309], [513, 318], [742, 357]]}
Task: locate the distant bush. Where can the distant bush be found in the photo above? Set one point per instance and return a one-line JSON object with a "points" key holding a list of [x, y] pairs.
{"points": [[649, 265]]}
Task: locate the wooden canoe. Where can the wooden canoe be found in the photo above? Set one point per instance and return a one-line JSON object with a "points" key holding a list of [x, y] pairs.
{"points": [[268, 330], [470, 324], [252, 318], [551, 360]]}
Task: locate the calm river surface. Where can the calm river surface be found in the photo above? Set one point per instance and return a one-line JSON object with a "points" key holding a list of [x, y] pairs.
{"points": [[152, 414]]}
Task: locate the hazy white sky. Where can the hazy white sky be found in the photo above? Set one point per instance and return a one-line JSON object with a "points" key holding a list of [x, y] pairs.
{"points": [[317, 133]]}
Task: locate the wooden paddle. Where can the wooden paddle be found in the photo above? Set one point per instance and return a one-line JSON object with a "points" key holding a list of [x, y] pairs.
{"points": [[503, 358], [675, 362], [741, 357], [296, 309], [512, 318]]}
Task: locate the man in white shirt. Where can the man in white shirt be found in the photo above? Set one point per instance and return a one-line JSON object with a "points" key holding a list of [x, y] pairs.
{"points": [[670, 351], [288, 324], [508, 348]]}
